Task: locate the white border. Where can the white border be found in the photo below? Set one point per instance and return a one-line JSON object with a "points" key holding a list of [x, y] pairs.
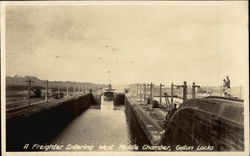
{"points": [[118, 3], [3, 67]]}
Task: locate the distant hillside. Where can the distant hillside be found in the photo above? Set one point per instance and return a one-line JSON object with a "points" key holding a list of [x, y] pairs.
{"points": [[19, 83]]}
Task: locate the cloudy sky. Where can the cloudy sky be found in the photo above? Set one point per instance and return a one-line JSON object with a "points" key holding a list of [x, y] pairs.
{"points": [[196, 42]]}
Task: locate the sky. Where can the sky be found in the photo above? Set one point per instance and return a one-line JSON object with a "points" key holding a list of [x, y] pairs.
{"points": [[124, 44]]}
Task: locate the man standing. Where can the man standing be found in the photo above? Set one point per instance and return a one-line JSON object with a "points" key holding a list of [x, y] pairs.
{"points": [[228, 86], [224, 87]]}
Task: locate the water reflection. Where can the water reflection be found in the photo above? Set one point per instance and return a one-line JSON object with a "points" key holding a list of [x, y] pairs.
{"points": [[106, 106]]}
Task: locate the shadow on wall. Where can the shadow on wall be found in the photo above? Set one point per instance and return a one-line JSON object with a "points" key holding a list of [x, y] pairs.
{"points": [[137, 136], [210, 121], [119, 99], [41, 126]]}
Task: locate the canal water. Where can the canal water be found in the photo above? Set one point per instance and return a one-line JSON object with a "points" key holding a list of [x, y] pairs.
{"points": [[109, 128]]}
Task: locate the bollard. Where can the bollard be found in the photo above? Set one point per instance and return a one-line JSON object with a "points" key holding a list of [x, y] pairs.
{"points": [[29, 88], [46, 93], [193, 89]]}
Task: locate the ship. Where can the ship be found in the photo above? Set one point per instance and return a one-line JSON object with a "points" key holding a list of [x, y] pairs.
{"points": [[108, 93]]}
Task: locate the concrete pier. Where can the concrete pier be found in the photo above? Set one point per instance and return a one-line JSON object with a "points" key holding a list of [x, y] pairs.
{"points": [[212, 121], [152, 128]]}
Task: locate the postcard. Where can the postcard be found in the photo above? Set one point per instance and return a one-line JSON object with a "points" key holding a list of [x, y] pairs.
{"points": [[124, 78]]}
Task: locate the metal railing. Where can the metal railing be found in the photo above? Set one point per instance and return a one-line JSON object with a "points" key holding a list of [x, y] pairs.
{"points": [[39, 91]]}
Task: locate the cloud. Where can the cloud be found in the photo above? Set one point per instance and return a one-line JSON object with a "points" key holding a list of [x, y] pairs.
{"points": [[146, 43]]}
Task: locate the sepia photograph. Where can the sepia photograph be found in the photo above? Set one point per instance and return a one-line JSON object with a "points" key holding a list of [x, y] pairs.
{"points": [[125, 78]]}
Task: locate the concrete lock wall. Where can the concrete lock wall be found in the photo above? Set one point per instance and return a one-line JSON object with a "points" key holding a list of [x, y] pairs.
{"points": [[41, 126], [136, 131], [97, 99], [119, 99], [213, 122]]}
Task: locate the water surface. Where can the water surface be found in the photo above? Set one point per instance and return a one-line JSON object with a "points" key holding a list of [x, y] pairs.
{"points": [[109, 125]]}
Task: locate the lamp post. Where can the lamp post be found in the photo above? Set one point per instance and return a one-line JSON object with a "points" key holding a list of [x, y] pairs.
{"points": [[193, 89]]}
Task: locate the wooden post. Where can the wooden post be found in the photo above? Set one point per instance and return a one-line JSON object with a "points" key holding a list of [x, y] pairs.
{"points": [[151, 93], [74, 89], [137, 90], [144, 92], [46, 93], [86, 88], [67, 88], [78, 84], [190, 92], [161, 92], [140, 91], [29, 88], [59, 89], [77, 88], [184, 91], [193, 89], [148, 90], [172, 94]]}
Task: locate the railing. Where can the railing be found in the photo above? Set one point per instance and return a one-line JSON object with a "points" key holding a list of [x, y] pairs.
{"points": [[147, 91], [45, 92]]}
